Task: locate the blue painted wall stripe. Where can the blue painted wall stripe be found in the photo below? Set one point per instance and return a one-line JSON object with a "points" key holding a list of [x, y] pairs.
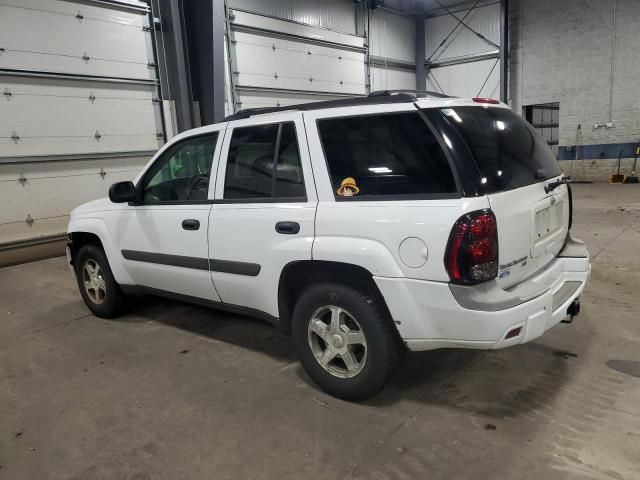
{"points": [[595, 152]]}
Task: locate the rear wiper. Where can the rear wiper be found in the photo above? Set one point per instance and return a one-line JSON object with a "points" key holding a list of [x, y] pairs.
{"points": [[550, 187]]}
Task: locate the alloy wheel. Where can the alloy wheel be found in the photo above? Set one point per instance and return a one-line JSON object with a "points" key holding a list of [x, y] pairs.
{"points": [[337, 341], [93, 281]]}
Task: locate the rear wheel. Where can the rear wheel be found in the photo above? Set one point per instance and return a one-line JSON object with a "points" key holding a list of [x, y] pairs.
{"points": [[346, 340], [99, 290]]}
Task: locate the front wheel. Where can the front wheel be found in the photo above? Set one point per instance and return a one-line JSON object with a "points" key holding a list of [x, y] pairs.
{"points": [[345, 340], [99, 289]]}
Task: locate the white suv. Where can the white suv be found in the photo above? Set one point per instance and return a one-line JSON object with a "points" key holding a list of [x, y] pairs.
{"points": [[364, 226]]}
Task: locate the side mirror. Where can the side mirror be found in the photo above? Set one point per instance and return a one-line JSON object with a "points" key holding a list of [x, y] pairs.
{"points": [[122, 192]]}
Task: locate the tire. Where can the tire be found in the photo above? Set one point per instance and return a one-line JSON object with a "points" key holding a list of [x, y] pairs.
{"points": [[352, 370], [100, 292]]}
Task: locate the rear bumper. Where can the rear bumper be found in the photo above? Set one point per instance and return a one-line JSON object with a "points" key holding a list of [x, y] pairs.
{"points": [[432, 315]]}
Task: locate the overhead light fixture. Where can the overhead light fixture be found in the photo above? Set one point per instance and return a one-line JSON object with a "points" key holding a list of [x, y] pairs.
{"points": [[380, 169]]}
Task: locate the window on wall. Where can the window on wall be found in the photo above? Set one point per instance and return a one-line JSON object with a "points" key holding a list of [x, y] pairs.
{"points": [[545, 118]]}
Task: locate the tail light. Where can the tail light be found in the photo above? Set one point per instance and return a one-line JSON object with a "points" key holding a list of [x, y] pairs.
{"points": [[472, 253]]}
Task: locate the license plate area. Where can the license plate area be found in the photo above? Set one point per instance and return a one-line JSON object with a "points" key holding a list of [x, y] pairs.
{"points": [[548, 225]]}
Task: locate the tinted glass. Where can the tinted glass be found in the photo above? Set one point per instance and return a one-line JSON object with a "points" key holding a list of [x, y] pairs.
{"points": [[289, 180], [182, 172], [377, 156], [508, 151], [250, 173], [250, 162]]}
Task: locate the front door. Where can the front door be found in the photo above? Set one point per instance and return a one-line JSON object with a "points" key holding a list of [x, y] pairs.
{"points": [[163, 237], [264, 209]]}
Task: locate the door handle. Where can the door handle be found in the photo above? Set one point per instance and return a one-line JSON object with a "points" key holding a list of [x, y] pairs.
{"points": [[190, 224], [288, 228]]}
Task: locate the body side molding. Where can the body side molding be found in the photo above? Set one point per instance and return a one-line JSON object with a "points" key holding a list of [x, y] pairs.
{"points": [[199, 263]]}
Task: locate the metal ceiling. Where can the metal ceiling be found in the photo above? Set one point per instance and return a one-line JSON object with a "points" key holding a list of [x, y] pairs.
{"points": [[430, 7]]}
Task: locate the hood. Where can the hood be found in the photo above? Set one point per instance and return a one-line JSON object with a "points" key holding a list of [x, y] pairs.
{"points": [[99, 205]]}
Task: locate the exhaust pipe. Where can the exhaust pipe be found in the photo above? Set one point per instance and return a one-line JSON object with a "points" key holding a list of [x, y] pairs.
{"points": [[572, 311]]}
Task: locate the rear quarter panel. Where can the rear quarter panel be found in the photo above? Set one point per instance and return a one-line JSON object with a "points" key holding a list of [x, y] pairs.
{"points": [[369, 233]]}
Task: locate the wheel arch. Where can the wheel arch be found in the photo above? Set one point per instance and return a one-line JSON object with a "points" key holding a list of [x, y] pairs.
{"points": [[298, 275], [91, 230]]}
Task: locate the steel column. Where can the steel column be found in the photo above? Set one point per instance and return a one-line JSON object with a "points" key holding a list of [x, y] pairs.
{"points": [[206, 24], [504, 50], [177, 63], [421, 75]]}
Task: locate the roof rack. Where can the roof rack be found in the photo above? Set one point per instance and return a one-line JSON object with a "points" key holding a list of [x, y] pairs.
{"points": [[417, 93], [377, 97]]}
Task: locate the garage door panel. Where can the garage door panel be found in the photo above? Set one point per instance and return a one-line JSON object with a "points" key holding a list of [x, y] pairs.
{"points": [[90, 12], [55, 189], [14, 232], [75, 65], [279, 99], [113, 49], [70, 110], [466, 80], [392, 78], [270, 23], [297, 65], [78, 144]]}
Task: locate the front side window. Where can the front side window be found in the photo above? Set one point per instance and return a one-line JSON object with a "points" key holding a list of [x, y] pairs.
{"points": [[182, 172], [264, 164], [376, 157]]}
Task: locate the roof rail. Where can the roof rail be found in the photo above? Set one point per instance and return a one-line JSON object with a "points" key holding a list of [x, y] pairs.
{"points": [[418, 93], [373, 99]]}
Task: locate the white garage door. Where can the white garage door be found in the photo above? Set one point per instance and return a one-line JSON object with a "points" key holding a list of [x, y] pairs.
{"points": [[79, 108], [277, 62]]}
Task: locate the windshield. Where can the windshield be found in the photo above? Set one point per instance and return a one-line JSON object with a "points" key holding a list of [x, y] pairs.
{"points": [[508, 151]]}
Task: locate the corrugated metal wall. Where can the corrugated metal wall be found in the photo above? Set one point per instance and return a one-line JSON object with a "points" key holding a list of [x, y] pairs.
{"points": [[336, 15], [392, 44], [393, 36], [467, 78]]}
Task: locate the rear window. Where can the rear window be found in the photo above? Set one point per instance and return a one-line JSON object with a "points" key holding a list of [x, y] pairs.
{"points": [[378, 157], [508, 151]]}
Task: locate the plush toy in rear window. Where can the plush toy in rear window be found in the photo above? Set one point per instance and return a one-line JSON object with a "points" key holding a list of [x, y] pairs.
{"points": [[348, 188]]}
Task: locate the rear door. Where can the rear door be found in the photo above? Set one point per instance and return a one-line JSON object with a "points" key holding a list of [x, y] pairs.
{"points": [[515, 165], [264, 209]]}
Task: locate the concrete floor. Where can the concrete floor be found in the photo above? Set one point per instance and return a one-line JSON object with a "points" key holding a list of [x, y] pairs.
{"points": [[173, 391]]}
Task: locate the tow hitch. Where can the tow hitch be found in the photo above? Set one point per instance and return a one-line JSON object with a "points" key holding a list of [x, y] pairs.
{"points": [[572, 311]]}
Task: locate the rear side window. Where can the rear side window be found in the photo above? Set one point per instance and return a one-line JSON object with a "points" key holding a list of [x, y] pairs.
{"points": [[508, 151], [264, 164], [378, 157]]}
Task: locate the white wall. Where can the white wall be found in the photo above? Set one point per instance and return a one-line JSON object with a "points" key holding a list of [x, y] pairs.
{"points": [[561, 52]]}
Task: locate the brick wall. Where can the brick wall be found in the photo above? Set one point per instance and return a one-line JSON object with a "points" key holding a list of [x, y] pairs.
{"points": [[560, 51]]}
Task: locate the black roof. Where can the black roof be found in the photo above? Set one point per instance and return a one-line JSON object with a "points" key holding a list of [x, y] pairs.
{"points": [[379, 97]]}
